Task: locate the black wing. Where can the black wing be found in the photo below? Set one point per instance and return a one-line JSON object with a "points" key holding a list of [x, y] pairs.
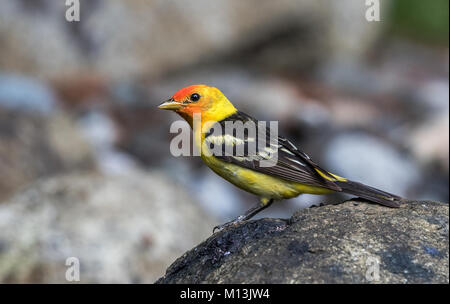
{"points": [[279, 157]]}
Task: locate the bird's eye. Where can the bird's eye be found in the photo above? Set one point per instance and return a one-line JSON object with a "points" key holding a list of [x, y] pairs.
{"points": [[195, 97]]}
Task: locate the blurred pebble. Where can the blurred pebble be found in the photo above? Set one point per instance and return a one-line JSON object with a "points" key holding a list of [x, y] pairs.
{"points": [[122, 229], [150, 42], [366, 159], [218, 197], [101, 133], [32, 146], [435, 95], [430, 141], [24, 93], [99, 129]]}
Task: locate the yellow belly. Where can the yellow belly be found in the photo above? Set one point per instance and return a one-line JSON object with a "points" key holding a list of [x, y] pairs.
{"points": [[265, 186]]}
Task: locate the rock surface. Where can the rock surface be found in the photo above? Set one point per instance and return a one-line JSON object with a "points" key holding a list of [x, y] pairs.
{"points": [[122, 229], [329, 244]]}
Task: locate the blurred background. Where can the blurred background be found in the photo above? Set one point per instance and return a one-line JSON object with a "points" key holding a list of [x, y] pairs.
{"points": [[85, 164]]}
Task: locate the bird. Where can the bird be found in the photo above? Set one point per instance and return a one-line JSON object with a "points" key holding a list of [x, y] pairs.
{"points": [[287, 173]]}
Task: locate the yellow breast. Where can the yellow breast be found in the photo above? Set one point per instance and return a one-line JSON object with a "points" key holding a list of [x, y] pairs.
{"points": [[261, 184]]}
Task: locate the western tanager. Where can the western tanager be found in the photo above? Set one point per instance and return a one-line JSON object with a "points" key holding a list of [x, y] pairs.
{"points": [[292, 173]]}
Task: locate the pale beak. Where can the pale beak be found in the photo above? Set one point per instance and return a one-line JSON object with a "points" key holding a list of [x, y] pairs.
{"points": [[171, 105]]}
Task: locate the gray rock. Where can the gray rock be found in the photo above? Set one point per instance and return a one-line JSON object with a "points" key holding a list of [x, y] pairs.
{"points": [[123, 39], [343, 243], [33, 146], [122, 229], [25, 94], [372, 161]]}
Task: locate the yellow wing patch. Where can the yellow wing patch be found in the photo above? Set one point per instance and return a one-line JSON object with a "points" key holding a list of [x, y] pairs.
{"points": [[334, 177]]}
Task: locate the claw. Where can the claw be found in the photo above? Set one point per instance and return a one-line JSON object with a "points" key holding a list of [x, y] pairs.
{"points": [[249, 214], [228, 224]]}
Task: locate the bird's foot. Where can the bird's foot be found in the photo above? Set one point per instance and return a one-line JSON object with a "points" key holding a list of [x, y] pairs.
{"points": [[234, 222]]}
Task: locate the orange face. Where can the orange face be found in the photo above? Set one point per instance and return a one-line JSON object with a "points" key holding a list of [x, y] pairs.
{"points": [[188, 100], [185, 93], [200, 98]]}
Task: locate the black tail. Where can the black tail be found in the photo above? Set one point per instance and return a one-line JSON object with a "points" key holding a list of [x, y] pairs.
{"points": [[371, 194]]}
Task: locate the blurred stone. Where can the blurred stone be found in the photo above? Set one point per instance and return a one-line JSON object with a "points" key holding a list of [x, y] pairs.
{"points": [[351, 38], [351, 33], [80, 91], [226, 204], [121, 39], [429, 138], [353, 242], [435, 94], [34, 146], [99, 129], [102, 134], [352, 112], [122, 229], [430, 141], [65, 138], [369, 160], [273, 98], [25, 94], [142, 131]]}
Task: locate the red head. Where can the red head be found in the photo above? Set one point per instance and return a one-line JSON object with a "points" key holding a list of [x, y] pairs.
{"points": [[200, 98]]}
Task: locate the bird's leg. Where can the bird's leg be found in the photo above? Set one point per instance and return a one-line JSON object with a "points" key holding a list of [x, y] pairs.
{"points": [[263, 204]]}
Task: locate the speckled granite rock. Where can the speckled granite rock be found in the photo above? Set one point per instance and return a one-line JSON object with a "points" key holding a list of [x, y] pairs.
{"points": [[123, 229], [329, 244]]}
